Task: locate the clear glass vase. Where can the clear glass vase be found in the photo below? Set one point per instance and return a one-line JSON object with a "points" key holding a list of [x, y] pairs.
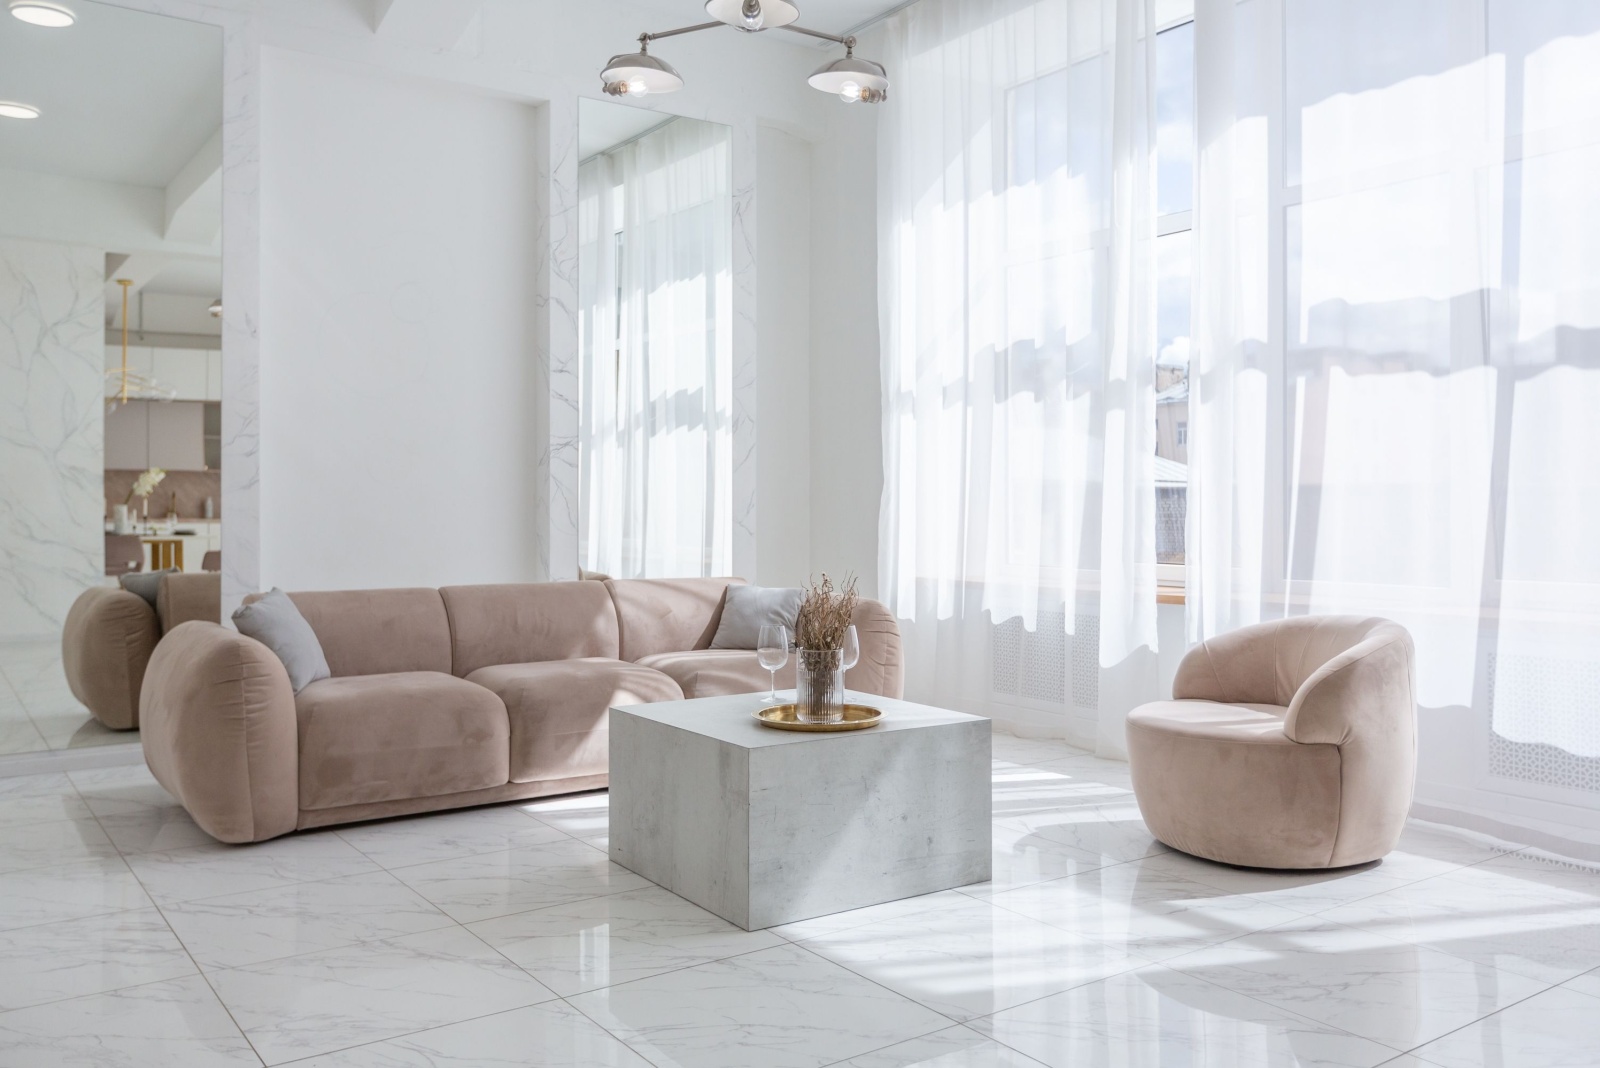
{"points": [[819, 686]]}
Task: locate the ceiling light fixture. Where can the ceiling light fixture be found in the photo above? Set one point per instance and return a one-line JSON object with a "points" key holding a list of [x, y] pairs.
{"points": [[216, 308], [850, 79], [10, 109], [43, 13]]}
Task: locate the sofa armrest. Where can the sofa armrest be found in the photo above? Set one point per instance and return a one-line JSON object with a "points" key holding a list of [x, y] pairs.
{"points": [[219, 732], [1364, 693], [881, 669], [106, 644]]}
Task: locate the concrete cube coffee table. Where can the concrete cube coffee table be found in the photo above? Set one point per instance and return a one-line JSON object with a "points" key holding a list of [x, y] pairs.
{"points": [[764, 827]]}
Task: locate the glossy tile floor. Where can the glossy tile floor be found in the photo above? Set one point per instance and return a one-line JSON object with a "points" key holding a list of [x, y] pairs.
{"points": [[503, 936], [37, 711]]}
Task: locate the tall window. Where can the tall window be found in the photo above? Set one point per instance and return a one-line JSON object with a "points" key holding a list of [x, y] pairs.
{"points": [[1174, 207]]}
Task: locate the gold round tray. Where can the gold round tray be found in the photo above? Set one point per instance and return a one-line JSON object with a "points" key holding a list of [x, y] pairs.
{"points": [[784, 718]]}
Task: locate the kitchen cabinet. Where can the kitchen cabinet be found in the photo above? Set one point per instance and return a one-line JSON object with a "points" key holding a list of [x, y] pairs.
{"points": [[177, 436]]}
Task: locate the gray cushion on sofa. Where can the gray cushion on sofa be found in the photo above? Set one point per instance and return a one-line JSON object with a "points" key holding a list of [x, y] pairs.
{"points": [[275, 622], [145, 583], [745, 609]]}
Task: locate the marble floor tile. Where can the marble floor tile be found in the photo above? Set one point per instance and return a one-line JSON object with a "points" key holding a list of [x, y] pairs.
{"points": [[1399, 994], [1014, 750], [970, 961], [1108, 774], [1022, 858], [616, 939], [580, 815], [68, 725], [1141, 909], [839, 922], [286, 921], [1588, 983], [553, 1035], [72, 958], [67, 892], [153, 830], [486, 885], [1155, 1016], [176, 1024], [28, 799], [779, 1008], [40, 845], [447, 835], [1559, 1028], [19, 735], [1493, 915], [215, 870], [955, 1047], [1107, 832], [327, 1001], [124, 788], [1306, 892]]}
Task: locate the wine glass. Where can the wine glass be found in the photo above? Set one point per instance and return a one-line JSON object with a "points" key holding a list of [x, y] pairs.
{"points": [[850, 655], [772, 652]]}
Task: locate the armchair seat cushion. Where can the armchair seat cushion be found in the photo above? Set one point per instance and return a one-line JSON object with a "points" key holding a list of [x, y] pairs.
{"points": [[1223, 781], [368, 738], [559, 711], [719, 672]]}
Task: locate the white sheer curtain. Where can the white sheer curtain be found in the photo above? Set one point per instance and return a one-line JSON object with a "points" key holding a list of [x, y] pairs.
{"points": [[1397, 364], [1017, 278], [655, 290]]}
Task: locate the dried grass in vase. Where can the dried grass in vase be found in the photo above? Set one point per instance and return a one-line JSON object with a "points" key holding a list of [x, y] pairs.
{"points": [[819, 634]]}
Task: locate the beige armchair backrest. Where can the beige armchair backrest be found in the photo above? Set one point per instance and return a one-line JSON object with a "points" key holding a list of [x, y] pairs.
{"points": [[1271, 663]]}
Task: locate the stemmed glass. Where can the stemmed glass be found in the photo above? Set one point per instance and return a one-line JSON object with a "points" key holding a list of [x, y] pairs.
{"points": [[772, 652], [850, 655]]}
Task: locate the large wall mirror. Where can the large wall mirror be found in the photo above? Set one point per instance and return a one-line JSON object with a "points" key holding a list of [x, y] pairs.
{"points": [[656, 343], [110, 328]]}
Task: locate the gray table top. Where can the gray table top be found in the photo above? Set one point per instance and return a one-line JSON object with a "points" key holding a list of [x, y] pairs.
{"points": [[731, 719]]}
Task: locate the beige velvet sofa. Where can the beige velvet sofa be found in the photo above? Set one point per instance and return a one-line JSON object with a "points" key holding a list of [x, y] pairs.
{"points": [[110, 633], [440, 699], [1289, 744]]}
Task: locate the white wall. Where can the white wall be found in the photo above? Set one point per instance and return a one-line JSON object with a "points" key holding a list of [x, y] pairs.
{"points": [[397, 343], [846, 396], [52, 349], [783, 370]]}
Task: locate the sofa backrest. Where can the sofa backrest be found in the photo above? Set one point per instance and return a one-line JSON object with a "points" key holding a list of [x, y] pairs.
{"points": [[377, 632], [528, 623], [667, 615], [186, 595]]}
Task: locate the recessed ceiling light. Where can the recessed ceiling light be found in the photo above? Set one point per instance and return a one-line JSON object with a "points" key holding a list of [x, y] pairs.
{"points": [[43, 13], [10, 109]]}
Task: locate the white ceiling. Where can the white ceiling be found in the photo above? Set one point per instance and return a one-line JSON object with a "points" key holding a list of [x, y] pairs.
{"points": [[829, 16], [602, 124], [189, 278], [123, 96]]}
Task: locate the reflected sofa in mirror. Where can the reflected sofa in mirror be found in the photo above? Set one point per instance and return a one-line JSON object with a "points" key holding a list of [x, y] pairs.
{"points": [[110, 361], [656, 343]]}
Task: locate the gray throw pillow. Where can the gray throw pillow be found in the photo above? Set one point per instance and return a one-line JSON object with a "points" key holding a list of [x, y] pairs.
{"points": [[145, 583], [745, 609], [275, 622]]}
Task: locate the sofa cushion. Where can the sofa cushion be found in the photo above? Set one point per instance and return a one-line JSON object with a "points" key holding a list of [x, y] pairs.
{"points": [[716, 672], [274, 621], [559, 711], [667, 615], [379, 632], [528, 623], [366, 738], [746, 609]]}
